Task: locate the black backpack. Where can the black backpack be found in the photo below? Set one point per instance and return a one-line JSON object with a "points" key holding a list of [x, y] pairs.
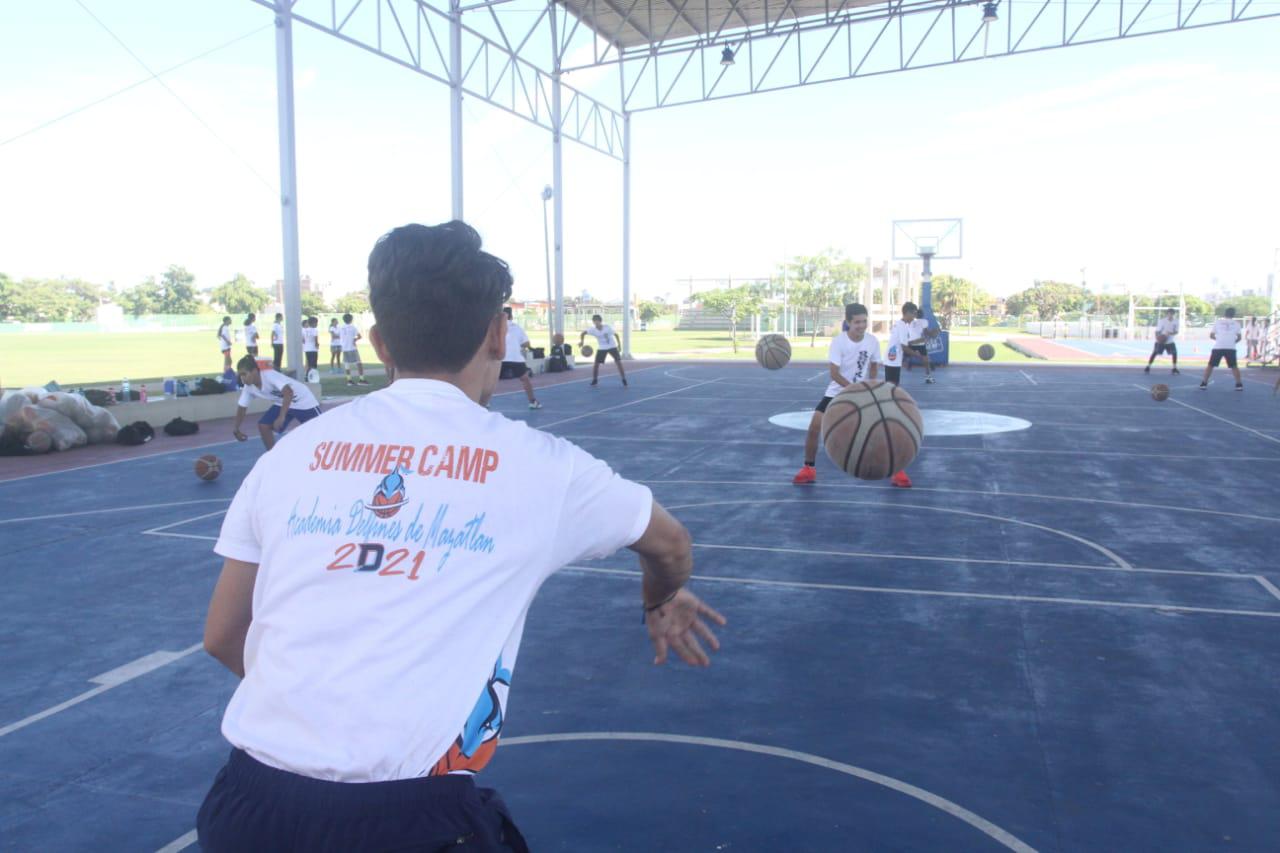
{"points": [[178, 426], [138, 432], [97, 396]]}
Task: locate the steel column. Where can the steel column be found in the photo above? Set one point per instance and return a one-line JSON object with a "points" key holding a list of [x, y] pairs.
{"points": [[288, 189]]}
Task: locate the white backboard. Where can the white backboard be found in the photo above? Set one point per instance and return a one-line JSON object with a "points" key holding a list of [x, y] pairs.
{"points": [[941, 238]]}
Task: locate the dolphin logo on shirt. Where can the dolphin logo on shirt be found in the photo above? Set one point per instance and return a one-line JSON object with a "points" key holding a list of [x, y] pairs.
{"points": [[478, 741], [389, 496]]}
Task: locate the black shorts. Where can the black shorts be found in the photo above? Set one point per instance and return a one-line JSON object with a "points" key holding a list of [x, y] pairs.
{"points": [[601, 353], [513, 370], [255, 807], [1169, 347], [313, 358], [822, 405], [1216, 357], [892, 374], [919, 348], [253, 351]]}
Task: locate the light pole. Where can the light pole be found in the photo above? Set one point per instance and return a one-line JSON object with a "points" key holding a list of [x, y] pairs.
{"points": [[547, 194]]}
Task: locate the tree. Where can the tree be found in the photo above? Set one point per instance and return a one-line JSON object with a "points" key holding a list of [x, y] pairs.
{"points": [[48, 300], [1048, 299], [650, 311], [313, 303], [141, 298], [177, 294], [815, 285], [1246, 306], [353, 303], [734, 303], [239, 296], [953, 295], [1198, 310]]}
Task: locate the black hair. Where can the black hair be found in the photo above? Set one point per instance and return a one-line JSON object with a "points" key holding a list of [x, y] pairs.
{"points": [[332, 320], [854, 309], [249, 318], [1171, 311], [1229, 313], [346, 318], [434, 294], [313, 319], [595, 317], [507, 311], [911, 306], [247, 362], [279, 317], [226, 321]]}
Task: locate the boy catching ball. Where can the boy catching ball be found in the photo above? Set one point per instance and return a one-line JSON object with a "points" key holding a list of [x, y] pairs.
{"points": [[853, 357]]}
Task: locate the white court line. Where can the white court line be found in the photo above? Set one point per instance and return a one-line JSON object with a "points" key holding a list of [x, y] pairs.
{"points": [[937, 593], [1106, 552], [551, 385], [914, 558], [112, 509], [156, 531], [1258, 433], [1027, 376], [1199, 457], [107, 681], [622, 405], [1089, 500], [1268, 586], [981, 824], [179, 844], [819, 374]]}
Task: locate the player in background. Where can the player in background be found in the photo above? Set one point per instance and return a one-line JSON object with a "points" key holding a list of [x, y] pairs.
{"points": [[853, 357], [513, 363], [251, 335], [1225, 334], [335, 346], [918, 346], [351, 337], [606, 345], [311, 344], [277, 341], [291, 400], [1166, 331], [224, 342]]}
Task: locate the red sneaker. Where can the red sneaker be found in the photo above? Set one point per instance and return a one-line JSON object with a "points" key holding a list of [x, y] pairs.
{"points": [[901, 480], [808, 474]]}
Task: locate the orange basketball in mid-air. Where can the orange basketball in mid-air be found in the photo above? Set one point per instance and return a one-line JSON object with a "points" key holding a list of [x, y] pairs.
{"points": [[872, 430]]}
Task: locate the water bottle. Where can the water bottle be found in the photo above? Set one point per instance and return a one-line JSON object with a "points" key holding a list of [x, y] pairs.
{"points": [[170, 387], [124, 390], [142, 394]]}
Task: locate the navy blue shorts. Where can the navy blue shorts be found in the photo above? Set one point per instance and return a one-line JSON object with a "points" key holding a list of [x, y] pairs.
{"points": [[254, 807], [299, 415]]}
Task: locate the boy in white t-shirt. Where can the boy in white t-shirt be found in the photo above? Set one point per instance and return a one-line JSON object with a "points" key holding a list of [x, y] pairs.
{"points": [[277, 341], [1166, 331], [513, 363], [335, 346], [350, 338], [378, 569], [901, 334], [606, 345], [311, 343], [854, 356], [1225, 334], [251, 335], [291, 400], [917, 348]]}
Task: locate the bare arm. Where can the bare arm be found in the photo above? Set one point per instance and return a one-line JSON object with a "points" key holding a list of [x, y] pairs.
{"points": [[874, 371], [230, 612], [286, 400], [673, 615], [834, 369], [235, 429]]}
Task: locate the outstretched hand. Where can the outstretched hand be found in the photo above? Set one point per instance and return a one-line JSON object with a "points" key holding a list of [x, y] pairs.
{"points": [[678, 624]]}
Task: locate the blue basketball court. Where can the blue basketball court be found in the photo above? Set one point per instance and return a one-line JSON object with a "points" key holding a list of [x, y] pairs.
{"points": [[1063, 638]]}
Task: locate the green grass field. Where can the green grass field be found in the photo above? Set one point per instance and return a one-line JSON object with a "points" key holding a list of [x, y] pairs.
{"points": [[147, 357]]}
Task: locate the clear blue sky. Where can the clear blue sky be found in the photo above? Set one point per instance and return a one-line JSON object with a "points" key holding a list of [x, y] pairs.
{"points": [[1151, 161]]}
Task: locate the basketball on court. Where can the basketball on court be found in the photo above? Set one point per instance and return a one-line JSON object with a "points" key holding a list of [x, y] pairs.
{"points": [[208, 467], [1160, 393], [986, 352], [773, 351], [587, 350], [872, 430]]}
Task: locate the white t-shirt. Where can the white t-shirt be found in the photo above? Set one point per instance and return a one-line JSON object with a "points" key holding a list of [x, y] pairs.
{"points": [[347, 335], [335, 337], [854, 358], [251, 335], [1166, 327], [224, 338], [604, 336], [382, 648], [918, 327], [899, 335], [273, 385], [310, 339], [277, 333], [1226, 333], [1252, 332], [515, 337]]}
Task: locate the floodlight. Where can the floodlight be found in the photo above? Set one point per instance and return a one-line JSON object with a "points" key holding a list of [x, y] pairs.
{"points": [[547, 193], [726, 56], [989, 15]]}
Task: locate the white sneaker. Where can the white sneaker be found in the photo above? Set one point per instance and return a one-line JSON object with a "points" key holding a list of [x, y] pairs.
{"points": [[535, 405]]}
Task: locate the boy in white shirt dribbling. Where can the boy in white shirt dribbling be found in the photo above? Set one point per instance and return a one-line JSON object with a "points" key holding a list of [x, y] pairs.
{"points": [[901, 335], [917, 347], [1166, 331], [606, 345], [1225, 334], [853, 357], [291, 400], [379, 567]]}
